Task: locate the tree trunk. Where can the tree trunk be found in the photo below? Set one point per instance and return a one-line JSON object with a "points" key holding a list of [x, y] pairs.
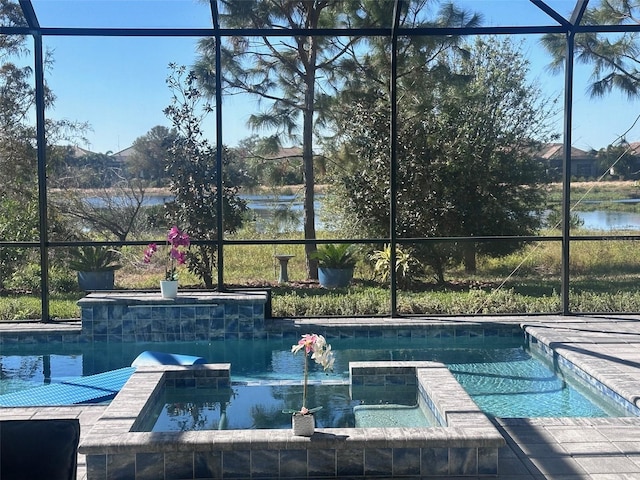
{"points": [[469, 257], [307, 158]]}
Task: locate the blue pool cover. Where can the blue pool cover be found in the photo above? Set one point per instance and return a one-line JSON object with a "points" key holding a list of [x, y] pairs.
{"points": [[150, 358], [89, 389]]}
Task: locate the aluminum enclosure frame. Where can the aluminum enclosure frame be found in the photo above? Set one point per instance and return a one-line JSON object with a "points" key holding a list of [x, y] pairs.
{"points": [[568, 28]]}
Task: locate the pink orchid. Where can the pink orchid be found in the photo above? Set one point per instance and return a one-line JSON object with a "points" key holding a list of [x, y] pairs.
{"points": [[177, 240], [307, 341], [149, 251]]}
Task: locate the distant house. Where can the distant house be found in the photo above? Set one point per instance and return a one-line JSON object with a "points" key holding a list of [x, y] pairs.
{"points": [[287, 153], [583, 164], [634, 148], [78, 152], [123, 155]]}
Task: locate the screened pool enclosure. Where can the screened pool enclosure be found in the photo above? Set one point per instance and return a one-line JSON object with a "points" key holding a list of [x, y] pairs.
{"points": [[484, 148]]}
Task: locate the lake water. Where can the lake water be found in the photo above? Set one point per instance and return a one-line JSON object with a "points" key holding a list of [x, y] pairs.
{"points": [[285, 213], [608, 220]]}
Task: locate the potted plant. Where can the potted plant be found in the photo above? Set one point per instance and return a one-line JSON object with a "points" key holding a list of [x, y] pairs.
{"points": [[95, 266], [177, 241], [335, 264], [316, 347]]}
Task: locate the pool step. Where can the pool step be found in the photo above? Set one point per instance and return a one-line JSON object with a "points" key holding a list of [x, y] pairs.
{"points": [[389, 415], [89, 389]]}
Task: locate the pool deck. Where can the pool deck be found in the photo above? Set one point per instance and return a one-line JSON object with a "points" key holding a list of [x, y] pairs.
{"points": [[605, 346]]}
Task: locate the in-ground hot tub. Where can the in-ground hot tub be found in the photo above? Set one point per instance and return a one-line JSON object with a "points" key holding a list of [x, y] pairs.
{"points": [[464, 443]]}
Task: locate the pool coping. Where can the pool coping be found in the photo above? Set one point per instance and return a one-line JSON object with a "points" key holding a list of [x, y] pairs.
{"points": [[467, 445]]}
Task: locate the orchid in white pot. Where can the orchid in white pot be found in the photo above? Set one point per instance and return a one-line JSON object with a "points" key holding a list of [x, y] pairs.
{"points": [[316, 347], [177, 240]]}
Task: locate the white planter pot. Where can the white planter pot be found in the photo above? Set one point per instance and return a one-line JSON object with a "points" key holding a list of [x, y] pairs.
{"points": [[303, 425], [169, 288]]}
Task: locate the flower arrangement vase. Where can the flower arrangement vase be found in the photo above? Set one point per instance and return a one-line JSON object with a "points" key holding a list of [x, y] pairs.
{"points": [[169, 288], [303, 425]]}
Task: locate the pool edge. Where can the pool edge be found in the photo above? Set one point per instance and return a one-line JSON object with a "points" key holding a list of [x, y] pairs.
{"points": [[467, 445]]}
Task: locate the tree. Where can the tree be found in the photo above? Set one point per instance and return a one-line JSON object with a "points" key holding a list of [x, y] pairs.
{"points": [[70, 167], [298, 75], [465, 166], [150, 155], [17, 150], [193, 176], [614, 57], [19, 212], [115, 211], [620, 160], [284, 72], [263, 163], [365, 80]]}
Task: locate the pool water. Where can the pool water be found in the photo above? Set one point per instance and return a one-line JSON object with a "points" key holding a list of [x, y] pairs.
{"points": [[498, 372], [261, 406], [527, 386]]}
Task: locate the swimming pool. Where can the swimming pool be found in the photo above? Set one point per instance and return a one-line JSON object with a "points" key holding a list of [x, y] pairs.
{"points": [[499, 373], [259, 406]]}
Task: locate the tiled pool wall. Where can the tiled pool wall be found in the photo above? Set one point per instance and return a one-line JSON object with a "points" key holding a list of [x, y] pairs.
{"points": [[196, 316], [278, 329], [122, 317], [466, 444], [374, 384], [147, 317], [115, 317], [562, 364]]}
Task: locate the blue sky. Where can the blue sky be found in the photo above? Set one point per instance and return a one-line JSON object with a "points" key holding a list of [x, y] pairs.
{"points": [[117, 85]]}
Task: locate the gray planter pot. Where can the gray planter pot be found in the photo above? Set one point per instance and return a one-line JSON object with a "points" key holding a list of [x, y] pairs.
{"points": [[335, 277], [102, 280]]}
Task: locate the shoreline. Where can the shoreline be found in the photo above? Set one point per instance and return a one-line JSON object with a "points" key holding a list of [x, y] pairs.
{"points": [[165, 192]]}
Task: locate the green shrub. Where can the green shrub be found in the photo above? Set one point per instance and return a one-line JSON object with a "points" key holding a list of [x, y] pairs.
{"points": [[29, 307], [26, 278], [14, 309], [61, 280], [373, 301]]}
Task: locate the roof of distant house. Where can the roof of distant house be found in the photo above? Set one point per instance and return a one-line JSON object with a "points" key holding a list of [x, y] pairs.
{"points": [[125, 153], [78, 152], [286, 152], [556, 150], [634, 148]]}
